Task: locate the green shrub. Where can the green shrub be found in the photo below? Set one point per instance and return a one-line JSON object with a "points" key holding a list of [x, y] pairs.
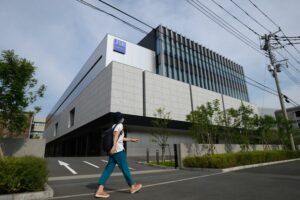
{"points": [[22, 174], [167, 163], [237, 159]]}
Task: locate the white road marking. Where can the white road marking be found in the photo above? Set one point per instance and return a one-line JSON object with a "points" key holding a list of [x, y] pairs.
{"points": [[90, 164], [144, 186], [66, 165]]}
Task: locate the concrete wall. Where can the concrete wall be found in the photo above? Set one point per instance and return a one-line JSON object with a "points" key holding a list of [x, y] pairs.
{"points": [[140, 148], [24, 147], [91, 104], [202, 149]]}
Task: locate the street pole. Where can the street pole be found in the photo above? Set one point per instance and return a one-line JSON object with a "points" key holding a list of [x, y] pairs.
{"points": [[267, 48]]}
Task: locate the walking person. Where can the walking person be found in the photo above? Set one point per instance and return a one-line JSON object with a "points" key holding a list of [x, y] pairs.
{"points": [[117, 156]]}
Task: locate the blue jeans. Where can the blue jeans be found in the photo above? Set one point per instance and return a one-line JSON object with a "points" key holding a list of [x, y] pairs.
{"points": [[120, 159]]}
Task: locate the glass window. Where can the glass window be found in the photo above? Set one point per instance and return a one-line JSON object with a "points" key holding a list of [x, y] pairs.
{"points": [[158, 47], [72, 117], [55, 129]]}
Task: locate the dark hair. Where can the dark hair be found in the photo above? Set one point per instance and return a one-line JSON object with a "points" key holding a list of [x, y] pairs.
{"points": [[117, 117]]}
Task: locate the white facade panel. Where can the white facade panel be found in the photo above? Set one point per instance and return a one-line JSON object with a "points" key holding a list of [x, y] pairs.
{"points": [[127, 89], [91, 104], [84, 77], [163, 92], [202, 96], [135, 55], [236, 103]]}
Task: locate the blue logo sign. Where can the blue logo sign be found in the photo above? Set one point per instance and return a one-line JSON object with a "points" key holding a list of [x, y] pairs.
{"points": [[119, 46]]}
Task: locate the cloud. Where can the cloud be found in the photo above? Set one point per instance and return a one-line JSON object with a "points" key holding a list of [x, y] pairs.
{"points": [[59, 36]]}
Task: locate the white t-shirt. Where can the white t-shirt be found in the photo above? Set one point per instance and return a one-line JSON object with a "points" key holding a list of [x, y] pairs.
{"points": [[120, 145]]}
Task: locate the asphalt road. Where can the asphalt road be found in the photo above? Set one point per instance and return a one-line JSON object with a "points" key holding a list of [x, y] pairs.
{"points": [[274, 182], [86, 165]]}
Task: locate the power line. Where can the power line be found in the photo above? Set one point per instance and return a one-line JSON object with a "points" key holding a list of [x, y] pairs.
{"points": [[290, 41], [278, 28], [118, 18], [260, 83], [223, 27], [287, 51], [127, 23], [263, 13], [223, 24], [253, 31], [262, 87], [291, 37], [250, 16], [291, 76], [289, 63], [126, 14]]}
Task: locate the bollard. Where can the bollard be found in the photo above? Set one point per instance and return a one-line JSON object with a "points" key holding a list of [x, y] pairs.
{"points": [[175, 156], [157, 157], [147, 155]]}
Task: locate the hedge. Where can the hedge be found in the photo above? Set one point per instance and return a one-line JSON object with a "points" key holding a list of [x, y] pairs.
{"points": [[22, 174], [238, 159]]}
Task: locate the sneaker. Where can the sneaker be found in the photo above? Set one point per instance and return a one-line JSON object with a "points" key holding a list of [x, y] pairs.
{"points": [[102, 194], [135, 188]]}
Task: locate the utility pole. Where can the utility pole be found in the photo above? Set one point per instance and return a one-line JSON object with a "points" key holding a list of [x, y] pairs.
{"points": [[274, 68]]}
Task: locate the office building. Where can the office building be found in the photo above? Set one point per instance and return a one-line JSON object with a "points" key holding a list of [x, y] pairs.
{"points": [[164, 70], [293, 115], [37, 128]]}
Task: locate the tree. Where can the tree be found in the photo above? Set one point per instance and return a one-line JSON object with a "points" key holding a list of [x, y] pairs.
{"points": [[206, 120], [18, 89], [160, 133], [266, 128], [284, 125], [242, 120]]}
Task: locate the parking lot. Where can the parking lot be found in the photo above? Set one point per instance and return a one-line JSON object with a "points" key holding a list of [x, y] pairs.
{"points": [[68, 166], [280, 181]]}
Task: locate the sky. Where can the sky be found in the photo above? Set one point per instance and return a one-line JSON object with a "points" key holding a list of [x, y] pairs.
{"points": [[59, 36]]}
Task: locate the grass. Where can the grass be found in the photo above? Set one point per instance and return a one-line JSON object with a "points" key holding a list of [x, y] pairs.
{"points": [[167, 163]]}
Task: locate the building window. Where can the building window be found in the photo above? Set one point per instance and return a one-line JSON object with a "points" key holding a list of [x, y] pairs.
{"points": [[55, 129], [72, 117], [297, 113]]}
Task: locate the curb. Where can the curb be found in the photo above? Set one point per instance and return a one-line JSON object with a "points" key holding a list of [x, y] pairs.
{"points": [[47, 193], [257, 165], [154, 165], [212, 170]]}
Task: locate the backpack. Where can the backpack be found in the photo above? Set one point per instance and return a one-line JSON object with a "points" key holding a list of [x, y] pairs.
{"points": [[108, 138]]}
